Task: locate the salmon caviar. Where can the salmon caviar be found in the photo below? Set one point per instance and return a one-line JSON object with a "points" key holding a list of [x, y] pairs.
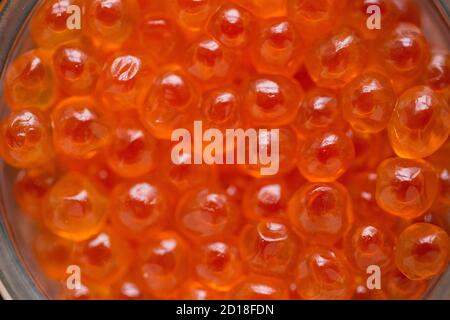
{"points": [[405, 54], [368, 102], [80, 130], [278, 48], [422, 251], [438, 72], [325, 156], [324, 275], [440, 162], [210, 62], [192, 14], [370, 244], [109, 23], [420, 123], [26, 139], [138, 208], [266, 199], [268, 142], [321, 212], [315, 18], [128, 288], [206, 213], [123, 80], [272, 100], [256, 287], [197, 291], [158, 36], [218, 265], [104, 257], [362, 190], [131, 152], [164, 264], [358, 17], [231, 25], [399, 287], [265, 8], [319, 110], [406, 188], [54, 254], [76, 69], [49, 23], [30, 188], [170, 102], [269, 247], [86, 292], [244, 149], [30, 81], [73, 208], [336, 60]]}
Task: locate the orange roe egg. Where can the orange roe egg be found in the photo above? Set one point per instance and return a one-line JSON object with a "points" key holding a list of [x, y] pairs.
{"points": [[406, 188], [266, 198], [276, 152], [169, 103], [272, 100], [192, 14], [131, 152], [323, 274], [420, 123], [336, 60], [56, 22], [268, 247], [265, 8], [363, 17], [26, 139], [110, 22], [209, 62], [321, 212], [30, 188], [278, 47], [73, 208], [255, 287], [319, 110], [76, 68], [368, 102], [325, 156], [123, 83], [316, 18], [80, 130], [206, 213], [404, 54], [30, 81], [128, 288], [158, 36], [422, 251], [196, 291], [440, 162], [105, 257], [218, 265], [54, 254], [369, 244], [137, 209], [438, 71], [362, 189], [399, 287], [231, 25], [164, 264]]}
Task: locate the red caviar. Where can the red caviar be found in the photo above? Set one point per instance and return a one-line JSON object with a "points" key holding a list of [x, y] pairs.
{"points": [[349, 172]]}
